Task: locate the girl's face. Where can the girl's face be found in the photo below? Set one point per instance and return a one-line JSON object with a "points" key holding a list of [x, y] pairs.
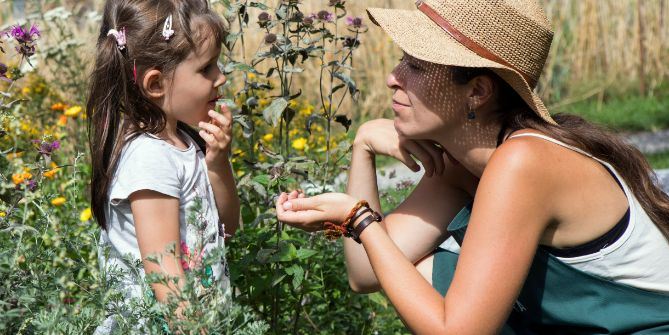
{"points": [[194, 87], [426, 100]]}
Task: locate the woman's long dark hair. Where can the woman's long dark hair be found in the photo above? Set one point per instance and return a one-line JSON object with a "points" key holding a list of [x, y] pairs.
{"points": [[117, 108], [628, 161]]}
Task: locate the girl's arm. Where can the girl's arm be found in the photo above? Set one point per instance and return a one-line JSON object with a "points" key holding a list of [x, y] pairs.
{"points": [[225, 193], [218, 135], [418, 225], [156, 219]]}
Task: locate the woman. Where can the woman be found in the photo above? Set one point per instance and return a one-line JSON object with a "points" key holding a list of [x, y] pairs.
{"points": [[566, 231]]}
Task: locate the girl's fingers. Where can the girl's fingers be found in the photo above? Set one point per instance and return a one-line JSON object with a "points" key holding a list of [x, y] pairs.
{"points": [[212, 129], [210, 139], [222, 119]]}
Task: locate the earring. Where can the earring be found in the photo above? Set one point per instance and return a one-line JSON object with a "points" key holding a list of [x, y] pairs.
{"points": [[472, 114]]}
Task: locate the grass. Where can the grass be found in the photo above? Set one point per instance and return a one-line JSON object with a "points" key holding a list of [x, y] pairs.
{"points": [[628, 113], [659, 161]]}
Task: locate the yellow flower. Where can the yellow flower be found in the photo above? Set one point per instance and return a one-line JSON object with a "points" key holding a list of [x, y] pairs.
{"points": [[263, 102], [72, 111], [39, 88], [294, 132], [3, 214], [292, 104], [268, 137], [59, 106], [26, 175], [240, 173], [26, 90], [50, 174], [85, 215], [17, 178], [299, 143], [306, 111], [13, 155], [251, 76], [62, 121], [58, 201]]}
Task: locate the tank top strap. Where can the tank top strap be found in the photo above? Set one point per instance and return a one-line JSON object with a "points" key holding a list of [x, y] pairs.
{"points": [[616, 175], [550, 139]]}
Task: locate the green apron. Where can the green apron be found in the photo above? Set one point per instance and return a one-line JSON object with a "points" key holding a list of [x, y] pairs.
{"points": [[560, 299]]}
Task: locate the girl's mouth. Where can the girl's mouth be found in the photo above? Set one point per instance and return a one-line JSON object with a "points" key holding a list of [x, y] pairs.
{"points": [[215, 99]]}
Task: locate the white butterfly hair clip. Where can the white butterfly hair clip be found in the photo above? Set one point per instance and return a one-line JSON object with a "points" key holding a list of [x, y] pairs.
{"points": [[119, 35], [167, 28]]}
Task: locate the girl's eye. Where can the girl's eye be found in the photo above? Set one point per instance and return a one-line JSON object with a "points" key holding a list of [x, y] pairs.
{"points": [[207, 68]]}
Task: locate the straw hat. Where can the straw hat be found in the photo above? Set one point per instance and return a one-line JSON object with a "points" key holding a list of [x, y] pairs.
{"points": [[511, 37]]}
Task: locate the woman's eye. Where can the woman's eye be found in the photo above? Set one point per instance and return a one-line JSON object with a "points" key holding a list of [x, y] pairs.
{"points": [[414, 66]]}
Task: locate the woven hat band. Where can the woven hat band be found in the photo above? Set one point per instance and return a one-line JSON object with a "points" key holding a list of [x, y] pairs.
{"points": [[468, 42]]}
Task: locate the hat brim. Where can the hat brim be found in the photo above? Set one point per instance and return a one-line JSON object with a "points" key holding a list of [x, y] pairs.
{"points": [[420, 37]]}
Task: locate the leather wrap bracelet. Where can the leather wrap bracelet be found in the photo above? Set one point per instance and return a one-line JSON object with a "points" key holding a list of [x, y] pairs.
{"points": [[355, 232]]}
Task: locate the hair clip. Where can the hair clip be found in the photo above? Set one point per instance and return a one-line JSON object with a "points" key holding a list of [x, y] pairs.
{"points": [[119, 36], [134, 71], [167, 28]]}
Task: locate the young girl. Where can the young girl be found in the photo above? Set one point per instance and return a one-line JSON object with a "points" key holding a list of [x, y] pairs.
{"points": [[155, 75]]}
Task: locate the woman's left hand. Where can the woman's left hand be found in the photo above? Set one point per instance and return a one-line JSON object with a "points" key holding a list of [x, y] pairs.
{"points": [[309, 214], [218, 135]]}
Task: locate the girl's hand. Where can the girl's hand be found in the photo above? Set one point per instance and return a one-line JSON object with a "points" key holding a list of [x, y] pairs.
{"points": [[217, 133], [379, 137], [309, 214]]}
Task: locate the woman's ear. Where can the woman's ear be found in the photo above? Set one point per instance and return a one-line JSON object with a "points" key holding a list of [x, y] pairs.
{"points": [[482, 90], [153, 83]]}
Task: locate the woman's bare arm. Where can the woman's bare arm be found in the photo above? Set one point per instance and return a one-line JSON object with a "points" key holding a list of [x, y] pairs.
{"points": [[417, 226]]}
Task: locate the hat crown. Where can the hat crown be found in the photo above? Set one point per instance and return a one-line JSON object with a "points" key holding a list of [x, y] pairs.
{"points": [[517, 31]]}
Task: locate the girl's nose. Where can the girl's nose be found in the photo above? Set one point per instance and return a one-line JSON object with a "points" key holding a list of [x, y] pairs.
{"points": [[221, 78]]}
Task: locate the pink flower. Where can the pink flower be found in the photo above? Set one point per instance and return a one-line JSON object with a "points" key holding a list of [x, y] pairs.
{"points": [[355, 22]]}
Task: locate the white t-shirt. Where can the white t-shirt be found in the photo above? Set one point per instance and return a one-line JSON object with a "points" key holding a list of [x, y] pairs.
{"points": [[149, 163]]}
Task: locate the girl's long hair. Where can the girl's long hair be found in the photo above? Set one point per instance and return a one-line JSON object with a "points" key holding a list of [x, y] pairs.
{"points": [[628, 161], [117, 108]]}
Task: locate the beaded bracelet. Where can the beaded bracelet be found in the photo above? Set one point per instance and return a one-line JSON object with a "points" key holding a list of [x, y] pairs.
{"points": [[334, 231]]}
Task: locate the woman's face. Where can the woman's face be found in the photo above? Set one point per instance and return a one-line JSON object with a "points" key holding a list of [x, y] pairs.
{"points": [[426, 100]]}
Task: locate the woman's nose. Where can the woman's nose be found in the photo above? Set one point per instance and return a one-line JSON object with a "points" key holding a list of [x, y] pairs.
{"points": [[392, 81]]}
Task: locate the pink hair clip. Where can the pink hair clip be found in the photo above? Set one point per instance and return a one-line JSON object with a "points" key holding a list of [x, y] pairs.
{"points": [[119, 35], [167, 28]]}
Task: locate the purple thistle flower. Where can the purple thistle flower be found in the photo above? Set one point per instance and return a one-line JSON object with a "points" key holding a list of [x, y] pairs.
{"points": [[25, 37], [45, 148], [325, 16], [355, 22], [32, 185]]}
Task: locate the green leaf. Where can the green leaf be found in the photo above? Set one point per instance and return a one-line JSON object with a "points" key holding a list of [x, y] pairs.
{"points": [[298, 274], [235, 66], [348, 81], [264, 255], [259, 5], [305, 253], [278, 279], [263, 179], [287, 252], [379, 299], [273, 112]]}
